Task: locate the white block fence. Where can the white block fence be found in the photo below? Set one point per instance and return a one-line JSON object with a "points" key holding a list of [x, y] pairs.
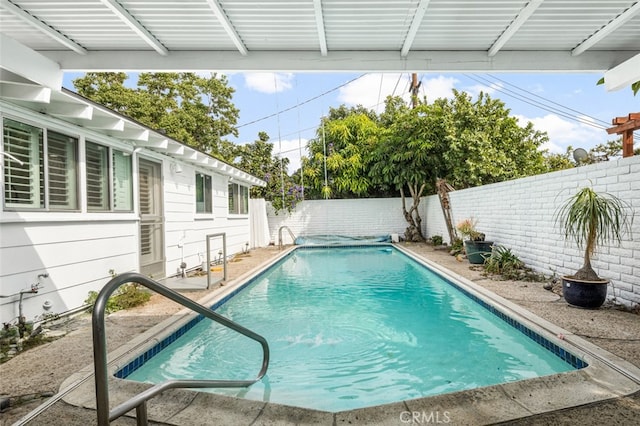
{"points": [[517, 214]]}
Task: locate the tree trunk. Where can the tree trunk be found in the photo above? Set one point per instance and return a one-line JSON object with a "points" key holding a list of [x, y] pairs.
{"points": [[413, 231], [586, 272]]}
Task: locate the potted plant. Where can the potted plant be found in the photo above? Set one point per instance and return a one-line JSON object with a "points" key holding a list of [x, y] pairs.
{"points": [[475, 246], [590, 219]]}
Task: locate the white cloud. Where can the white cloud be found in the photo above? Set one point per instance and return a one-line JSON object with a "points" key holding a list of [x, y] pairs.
{"points": [[563, 132], [290, 149], [438, 87], [269, 82]]}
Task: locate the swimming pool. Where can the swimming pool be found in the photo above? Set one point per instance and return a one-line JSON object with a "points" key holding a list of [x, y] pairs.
{"points": [[367, 336]]}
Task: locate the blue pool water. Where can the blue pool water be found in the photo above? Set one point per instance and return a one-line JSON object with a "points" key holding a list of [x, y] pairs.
{"points": [[356, 327]]}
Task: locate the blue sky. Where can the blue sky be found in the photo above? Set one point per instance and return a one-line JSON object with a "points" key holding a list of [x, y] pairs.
{"points": [[571, 108]]}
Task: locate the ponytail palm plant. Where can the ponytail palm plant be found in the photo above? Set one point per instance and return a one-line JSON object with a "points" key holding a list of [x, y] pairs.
{"points": [[592, 219]]}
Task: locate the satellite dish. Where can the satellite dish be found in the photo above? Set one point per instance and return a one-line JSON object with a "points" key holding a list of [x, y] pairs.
{"points": [[580, 155]]}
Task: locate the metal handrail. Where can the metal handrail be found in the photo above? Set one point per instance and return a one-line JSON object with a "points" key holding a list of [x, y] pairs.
{"points": [[224, 257], [139, 401], [293, 237]]}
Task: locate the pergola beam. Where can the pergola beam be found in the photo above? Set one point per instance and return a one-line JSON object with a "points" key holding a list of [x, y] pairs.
{"points": [[603, 32], [625, 126], [623, 75], [42, 27], [415, 26], [322, 37], [514, 26], [228, 27], [136, 26]]}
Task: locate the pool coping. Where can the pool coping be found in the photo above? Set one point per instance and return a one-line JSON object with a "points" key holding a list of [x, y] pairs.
{"points": [[606, 377]]}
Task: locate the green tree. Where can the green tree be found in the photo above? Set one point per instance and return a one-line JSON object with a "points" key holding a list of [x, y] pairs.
{"points": [[484, 144], [257, 158], [409, 157], [466, 142], [342, 146], [559, 161], [195, 110]]}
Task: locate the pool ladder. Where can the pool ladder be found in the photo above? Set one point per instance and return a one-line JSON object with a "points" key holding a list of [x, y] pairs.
{"points": [[139, 401], [293, 237]]}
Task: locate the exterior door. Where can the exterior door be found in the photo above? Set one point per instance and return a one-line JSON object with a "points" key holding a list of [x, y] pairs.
{"points": [[151, 219]]}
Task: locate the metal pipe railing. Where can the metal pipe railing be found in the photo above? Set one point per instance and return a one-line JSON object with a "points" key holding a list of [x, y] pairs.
{"points": [[224, 257], [139, 401], [293, 237]]}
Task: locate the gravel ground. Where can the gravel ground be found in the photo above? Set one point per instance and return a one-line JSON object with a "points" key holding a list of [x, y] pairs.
{"points": [[34, 375]]}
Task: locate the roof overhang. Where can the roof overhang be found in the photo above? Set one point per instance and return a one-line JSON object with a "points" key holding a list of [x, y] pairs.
{"points": [[323, 35]]}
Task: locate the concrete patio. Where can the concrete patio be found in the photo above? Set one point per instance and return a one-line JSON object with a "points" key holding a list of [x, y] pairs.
{"points": [[35, 372]]}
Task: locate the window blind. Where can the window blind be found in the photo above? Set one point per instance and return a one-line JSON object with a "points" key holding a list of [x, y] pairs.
{"points": [[24, 183], [97, 158], [62, 176]]}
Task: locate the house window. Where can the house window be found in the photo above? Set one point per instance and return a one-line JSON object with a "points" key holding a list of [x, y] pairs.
{"points": [[122, 182], [109, 178], [23, 165], [37, 165], [203, 194], [97, 157], [238, 199]]}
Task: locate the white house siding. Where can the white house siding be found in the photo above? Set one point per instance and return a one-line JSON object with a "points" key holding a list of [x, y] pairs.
{"points": [[77, 255], [184, 227], [79, 249]]}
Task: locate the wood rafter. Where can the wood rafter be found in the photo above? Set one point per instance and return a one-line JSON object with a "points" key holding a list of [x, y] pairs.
{"points": [[625, 126]]}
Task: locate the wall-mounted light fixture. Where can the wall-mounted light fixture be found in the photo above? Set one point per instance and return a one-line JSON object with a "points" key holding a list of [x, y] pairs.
{"points": [[176, 168]]}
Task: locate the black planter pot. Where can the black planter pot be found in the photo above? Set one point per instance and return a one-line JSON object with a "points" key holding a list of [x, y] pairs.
{"points": [[584, 294], [478, 251]]}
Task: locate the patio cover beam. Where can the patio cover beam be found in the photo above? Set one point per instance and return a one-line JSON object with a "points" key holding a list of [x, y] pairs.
{"points": [[623, 75], [42, 27], [322, 37], [361, 61], [515, 25], [603, 32], [227, 25], [136, 26], [415, 26]]}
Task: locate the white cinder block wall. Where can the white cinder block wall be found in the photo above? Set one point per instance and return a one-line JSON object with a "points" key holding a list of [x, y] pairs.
{"points": [[353, 218], [517, 214]]}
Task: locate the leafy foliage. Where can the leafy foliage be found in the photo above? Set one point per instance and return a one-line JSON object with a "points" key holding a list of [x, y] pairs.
{"points": [[436, 240], [127, 296], [192, 109], [502, 261], [257, 158], [342, 145]]}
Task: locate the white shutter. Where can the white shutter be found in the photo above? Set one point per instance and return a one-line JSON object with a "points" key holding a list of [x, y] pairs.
{"points": [[97, 157], [62, 176], [23, 183]]}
